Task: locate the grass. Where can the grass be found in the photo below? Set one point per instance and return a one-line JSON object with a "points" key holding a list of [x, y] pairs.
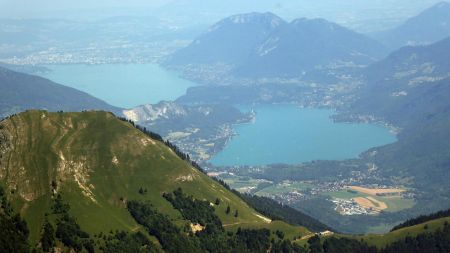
{"points": [[290, 231], [381, 240], [396, 204], [99, 162], [345, 194]]}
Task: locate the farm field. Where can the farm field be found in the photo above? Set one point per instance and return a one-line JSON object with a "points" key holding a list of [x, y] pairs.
{"points": [[377, 191], [370, 198]]}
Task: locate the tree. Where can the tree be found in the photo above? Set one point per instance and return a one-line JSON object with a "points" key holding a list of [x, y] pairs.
{"points": [[48, 237], [217, 201], [236, 213], [228, 210]]}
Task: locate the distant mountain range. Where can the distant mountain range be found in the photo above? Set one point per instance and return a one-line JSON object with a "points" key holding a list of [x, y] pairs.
{"points": [[19, 92], [428, 27], [411, 90], [398, 87], [263, 45], [308, 44]]}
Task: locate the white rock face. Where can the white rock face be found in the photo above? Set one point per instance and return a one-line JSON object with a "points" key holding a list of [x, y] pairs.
{"points": [[163, 110]]}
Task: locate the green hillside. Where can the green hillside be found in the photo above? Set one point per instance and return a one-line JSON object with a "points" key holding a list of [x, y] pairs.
{"points": [[383, 240], [430, 236], [98, 163]]}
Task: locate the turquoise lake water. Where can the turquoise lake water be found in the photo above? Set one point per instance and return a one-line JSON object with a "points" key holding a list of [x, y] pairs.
{"points": [[123, 85], [281, 133], [289, 134]]}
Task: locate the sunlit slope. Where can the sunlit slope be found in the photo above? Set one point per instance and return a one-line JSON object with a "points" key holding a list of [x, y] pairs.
{"points": [[383, 240], [98, 162]]}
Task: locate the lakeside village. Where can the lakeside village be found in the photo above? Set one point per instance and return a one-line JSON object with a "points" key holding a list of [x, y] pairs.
{"points": [[350, 196]]}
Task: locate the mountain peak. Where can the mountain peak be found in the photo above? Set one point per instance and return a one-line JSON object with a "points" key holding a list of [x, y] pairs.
{"points": [[316, 23], [266, 18], [97, 162]]}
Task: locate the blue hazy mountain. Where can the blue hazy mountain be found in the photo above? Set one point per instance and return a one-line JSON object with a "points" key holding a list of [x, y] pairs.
{"points": [[428, 27], [229, 41], [410, 89], [263, 45], [308, 44], [20, 92], [410, 83]]}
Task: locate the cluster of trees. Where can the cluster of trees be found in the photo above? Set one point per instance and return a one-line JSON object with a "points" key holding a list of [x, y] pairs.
{"points": [[197, 211], [277, 211], [422, 219], [338, 245], [436, 242], [67, 229], [48, 240], [168, 234], [213, 238], [123, 242], [13, 229], [268, 207]]}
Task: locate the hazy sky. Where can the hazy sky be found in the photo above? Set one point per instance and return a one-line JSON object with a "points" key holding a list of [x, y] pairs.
{"points": [[358, 14], [40, 8]]}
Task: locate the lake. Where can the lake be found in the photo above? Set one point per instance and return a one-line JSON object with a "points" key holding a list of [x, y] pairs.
{"points": [[291, 135], [122, 85]]}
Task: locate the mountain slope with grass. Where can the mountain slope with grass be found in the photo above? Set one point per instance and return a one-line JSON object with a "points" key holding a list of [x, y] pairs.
{"points": [[430, 236], [98, 164]]}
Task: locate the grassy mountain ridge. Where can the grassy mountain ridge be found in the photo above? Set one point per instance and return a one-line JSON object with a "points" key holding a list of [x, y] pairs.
{"points": [[384, 240], [429, 236], [97, 163]]}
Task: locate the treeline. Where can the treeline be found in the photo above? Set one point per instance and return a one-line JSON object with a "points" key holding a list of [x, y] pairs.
{"points": [[124, 242], [433, 242], [212, 237], [63, 230], [159, 225], [277, 211], [195, 210], [339, 245], [67, 230], [13, 229], [436, 242], [268, 207], [422, 219]]}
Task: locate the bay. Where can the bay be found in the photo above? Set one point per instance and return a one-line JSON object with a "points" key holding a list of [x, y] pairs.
{"points": [[290, 134]]}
